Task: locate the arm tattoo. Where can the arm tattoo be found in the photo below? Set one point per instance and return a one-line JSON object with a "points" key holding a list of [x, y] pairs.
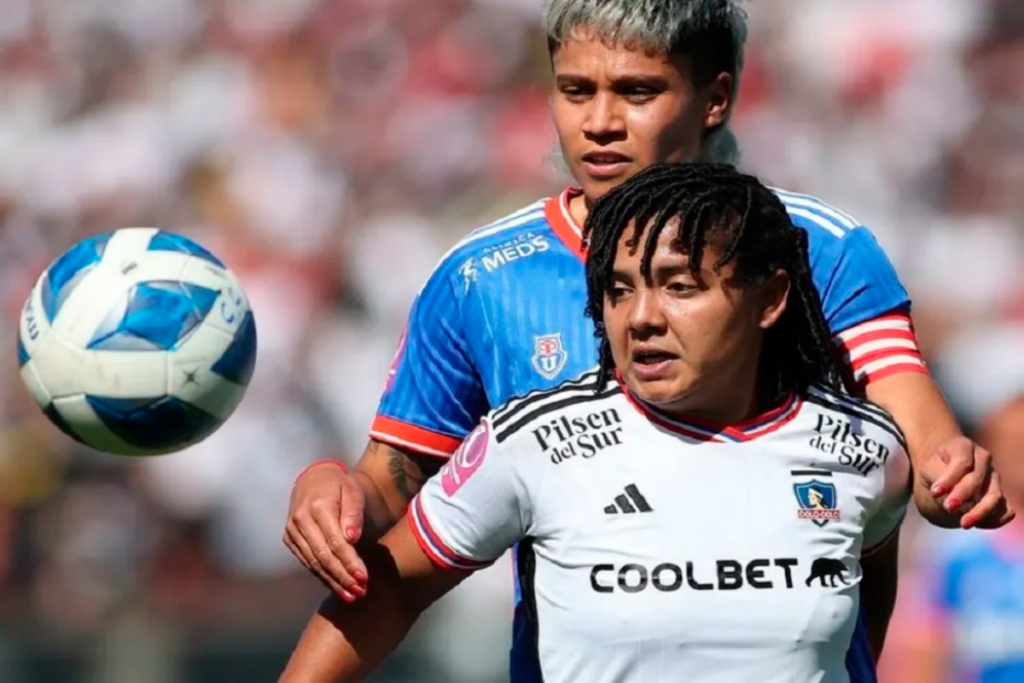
{"points": [[410, 471]]}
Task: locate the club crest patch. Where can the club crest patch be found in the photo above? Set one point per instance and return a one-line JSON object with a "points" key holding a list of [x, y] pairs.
{"points": [[817, 501], [549, 356]]}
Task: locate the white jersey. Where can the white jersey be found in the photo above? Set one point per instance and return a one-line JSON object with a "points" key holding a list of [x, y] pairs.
{"points": [[653, 550]]}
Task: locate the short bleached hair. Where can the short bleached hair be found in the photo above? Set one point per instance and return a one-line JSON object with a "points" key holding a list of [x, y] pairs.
{"points": [[712, 33]]}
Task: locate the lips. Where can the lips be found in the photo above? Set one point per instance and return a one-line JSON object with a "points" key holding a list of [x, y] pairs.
{"points": [[652, 356], [604, 165], [605, 158]]}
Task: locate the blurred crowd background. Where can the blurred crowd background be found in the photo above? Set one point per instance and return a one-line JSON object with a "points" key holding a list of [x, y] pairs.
{"points": [[330, 151]]}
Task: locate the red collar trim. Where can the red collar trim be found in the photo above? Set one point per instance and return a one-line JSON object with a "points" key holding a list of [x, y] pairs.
{"points": [[556, 210], [706, 430]]}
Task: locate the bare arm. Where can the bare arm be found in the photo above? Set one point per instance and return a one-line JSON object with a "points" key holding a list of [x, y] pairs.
{"points": [[330, 511], [878, 590], [346, 642], [954, 483], [389, 477], [926, 420]]}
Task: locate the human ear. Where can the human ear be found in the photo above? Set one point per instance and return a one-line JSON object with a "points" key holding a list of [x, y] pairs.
{"points": [[774, 296], [719, 99]]}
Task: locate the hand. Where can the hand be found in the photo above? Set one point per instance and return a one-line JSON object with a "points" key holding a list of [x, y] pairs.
{"points": [[962, 472], [325, 520]]}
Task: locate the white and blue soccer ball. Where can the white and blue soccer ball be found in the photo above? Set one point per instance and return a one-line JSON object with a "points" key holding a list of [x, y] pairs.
{"points": [[137, 342]]}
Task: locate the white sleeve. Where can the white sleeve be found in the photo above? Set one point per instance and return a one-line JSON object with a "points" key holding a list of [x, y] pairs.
{"points": [[885, 521], [475, 508]]}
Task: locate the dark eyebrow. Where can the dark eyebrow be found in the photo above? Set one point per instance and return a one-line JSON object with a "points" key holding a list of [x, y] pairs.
{"points": [[572, 79], [651, 81]]}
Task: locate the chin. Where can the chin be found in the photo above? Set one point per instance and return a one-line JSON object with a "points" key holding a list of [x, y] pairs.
{"points": [[659, 393]]}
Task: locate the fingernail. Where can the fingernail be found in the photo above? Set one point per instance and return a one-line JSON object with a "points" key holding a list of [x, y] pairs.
{"points": [[351, 533], [938, 489], [358, 591], [359, 576], [968, 521], [346, 596], [952, 504]]}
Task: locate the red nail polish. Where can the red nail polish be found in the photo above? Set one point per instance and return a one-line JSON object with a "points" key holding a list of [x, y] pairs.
{"points": [[953, 504], [350, 533], [359, 576]]}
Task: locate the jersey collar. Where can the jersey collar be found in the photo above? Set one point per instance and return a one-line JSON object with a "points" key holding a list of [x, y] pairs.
{"points": [[556, 210], [706, 430]]}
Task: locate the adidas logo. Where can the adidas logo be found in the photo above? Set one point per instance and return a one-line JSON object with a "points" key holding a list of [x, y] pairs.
{"points": [[629, 502]]}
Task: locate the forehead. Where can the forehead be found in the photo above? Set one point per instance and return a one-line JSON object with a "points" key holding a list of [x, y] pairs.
{"points": [[663, 249], [582, 52]]}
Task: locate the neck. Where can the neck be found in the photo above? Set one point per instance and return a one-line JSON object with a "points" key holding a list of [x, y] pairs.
{"points": [[725, 410], [579, 208], [731, 402]]}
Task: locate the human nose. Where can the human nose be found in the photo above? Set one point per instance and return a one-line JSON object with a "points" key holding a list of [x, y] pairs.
{"points": [[604, 120], [646, 315]]}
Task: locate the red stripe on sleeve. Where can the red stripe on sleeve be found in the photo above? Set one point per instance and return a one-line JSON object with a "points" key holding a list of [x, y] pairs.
{"points": [[404, 435], [880, 348]]}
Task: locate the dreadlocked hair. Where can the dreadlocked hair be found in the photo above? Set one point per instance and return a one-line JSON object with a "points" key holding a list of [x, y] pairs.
{"points": [[742, 220]]}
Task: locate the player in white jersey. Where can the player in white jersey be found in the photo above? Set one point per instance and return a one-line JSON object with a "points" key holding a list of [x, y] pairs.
{"points": [[634, 83], [701, 507]]}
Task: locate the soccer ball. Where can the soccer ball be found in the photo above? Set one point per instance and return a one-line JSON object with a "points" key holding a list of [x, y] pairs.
{"points": [[137, 342]]}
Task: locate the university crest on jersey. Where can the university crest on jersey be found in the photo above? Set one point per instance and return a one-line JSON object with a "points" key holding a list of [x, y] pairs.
{"points": [[817, 501], [549, 355]]}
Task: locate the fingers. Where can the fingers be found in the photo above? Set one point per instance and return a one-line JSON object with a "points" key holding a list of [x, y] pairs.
{"points": [[301, 549], [322, 560], [973, 483], [992, 511], [353, 503], [340, 548], [961, 461]]}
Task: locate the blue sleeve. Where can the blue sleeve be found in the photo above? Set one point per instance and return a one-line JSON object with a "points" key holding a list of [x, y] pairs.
{"points": [[854, 278], [434, 396]]}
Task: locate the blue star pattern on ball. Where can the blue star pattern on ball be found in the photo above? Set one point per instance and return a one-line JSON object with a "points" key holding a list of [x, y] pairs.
{"points": [[68, 270], [153, 422], [168, 241], [158, 315]]}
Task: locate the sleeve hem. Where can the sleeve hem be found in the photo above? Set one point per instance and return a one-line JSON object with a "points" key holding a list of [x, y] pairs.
{"points": [[405, 435], [434, 547]]}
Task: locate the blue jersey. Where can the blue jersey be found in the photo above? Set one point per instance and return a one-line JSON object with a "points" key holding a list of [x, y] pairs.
{"points": [[977, 591], [503, 315]]}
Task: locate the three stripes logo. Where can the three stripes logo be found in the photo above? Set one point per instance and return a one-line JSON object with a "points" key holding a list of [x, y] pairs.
{"points": [[629, 502]]}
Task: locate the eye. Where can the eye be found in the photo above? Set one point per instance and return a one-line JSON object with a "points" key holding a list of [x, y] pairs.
{"points": [[640, 95], [574, 92], [617, 292], [680, 288]]}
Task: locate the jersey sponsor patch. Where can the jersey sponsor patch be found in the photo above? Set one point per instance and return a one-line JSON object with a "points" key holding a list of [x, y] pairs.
{"points": [[549, 355], [522, 247], [817, 498], [467, 460]]}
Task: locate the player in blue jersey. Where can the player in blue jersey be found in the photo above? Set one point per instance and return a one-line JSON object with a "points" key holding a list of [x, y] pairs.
{"points": [[635, 83], [715, 388]]}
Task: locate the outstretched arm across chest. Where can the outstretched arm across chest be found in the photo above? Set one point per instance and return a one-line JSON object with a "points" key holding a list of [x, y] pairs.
{"points": [[462, 520]]}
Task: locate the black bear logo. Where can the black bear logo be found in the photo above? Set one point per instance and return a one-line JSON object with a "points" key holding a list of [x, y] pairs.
{"points": [[826, 568]]}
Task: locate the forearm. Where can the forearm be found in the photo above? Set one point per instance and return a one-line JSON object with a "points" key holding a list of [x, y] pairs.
{"points": [[346, 642], [379, 515], [917, 405], [389, 478]]}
